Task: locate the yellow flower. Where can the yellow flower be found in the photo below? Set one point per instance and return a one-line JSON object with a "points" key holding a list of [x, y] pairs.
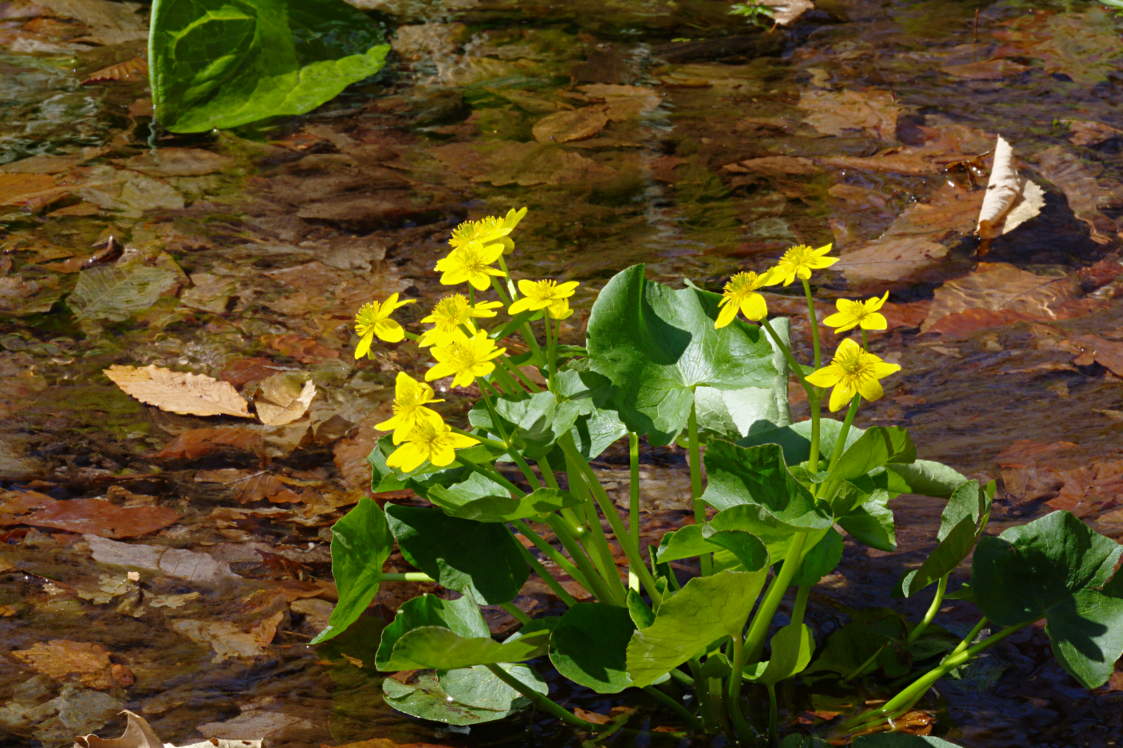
{"points": [[488, 230], [739, 294], [852, 371], [545, 294], [428, 441], [373, 320], [410, 399], [465, 358], [863, 314], [799, 261], [451, 314], [470, 263]]}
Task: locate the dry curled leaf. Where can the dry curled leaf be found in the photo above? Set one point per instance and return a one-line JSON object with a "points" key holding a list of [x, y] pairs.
{"points": [[1010, 200], [283, 398], [179, 392], [139, 734]]}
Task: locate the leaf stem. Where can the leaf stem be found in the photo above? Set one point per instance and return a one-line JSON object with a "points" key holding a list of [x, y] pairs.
{"points": [[633, 487], [545, 575], [758, 629], [673, 704], [818, 359], [694, 454], [408, 576], [551, 553], [933, 609]]}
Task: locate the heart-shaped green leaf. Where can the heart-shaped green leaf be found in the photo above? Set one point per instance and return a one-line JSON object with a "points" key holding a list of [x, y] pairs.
{"points": [[460, 615], [478, 559], [588, 646], [760, 476], [655, 345], [439, 648]]}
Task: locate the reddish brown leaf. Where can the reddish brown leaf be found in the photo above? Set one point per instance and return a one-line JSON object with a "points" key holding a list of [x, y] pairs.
{"points": [[102, 518], [196, 443], [60, 659]]}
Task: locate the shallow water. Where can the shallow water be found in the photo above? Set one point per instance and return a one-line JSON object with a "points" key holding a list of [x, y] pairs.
{"points": [[695, 144]]}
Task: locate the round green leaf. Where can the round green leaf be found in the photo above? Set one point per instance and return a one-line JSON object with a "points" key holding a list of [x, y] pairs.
{"points": [[760, 476], [460, 615], [655, 345], [473, 558], [438, 648]]}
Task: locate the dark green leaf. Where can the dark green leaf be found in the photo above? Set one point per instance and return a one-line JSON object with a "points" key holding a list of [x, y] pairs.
{"points": [[901, 740], [1087, 636], [588, 646], [820, 560], [927, 478], [638, 610], [473, 558], [1028, 569], [655, 345], [439, 648], [795, 439], [360, 544], [688, 621], [223, 64], [759, 475], [969, 500], [461, 615], [479, 687]]}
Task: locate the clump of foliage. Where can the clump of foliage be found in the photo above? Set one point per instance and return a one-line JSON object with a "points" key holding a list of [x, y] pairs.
{"points": [[696, 620], [225, 63]]}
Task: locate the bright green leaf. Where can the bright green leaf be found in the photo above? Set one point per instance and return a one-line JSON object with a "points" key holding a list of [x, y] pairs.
{"points": [[705, 610], [872, 522], [792, 647], [878, 446], [224, 63], [460, 615], [360, 544], [655, 345], [820, 560], [441, 699], [439, 648], [760, 476]]}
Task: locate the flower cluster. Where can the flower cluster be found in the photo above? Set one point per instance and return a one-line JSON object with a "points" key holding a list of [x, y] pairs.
{"points": [[853, 371], [461, 348]]}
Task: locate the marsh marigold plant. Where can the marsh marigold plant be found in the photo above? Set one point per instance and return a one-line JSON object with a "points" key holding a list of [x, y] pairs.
{"points": [[515, 487]]}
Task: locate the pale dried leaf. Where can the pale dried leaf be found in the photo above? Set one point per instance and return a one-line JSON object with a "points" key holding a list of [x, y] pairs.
{"points": [[138, 734], [283, 398], [179, 392], [1010, 200], [135, 68], [785, 12]]}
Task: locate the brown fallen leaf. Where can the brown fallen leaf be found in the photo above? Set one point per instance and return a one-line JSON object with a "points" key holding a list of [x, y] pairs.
{"points": [[573, 124], [99, 517], [196, 443], [841, 112], [1010, 200], [227, 639], [59, 659], [179, 392], [1000, 288], [284, 398], [1095, 349], [132, 69]]}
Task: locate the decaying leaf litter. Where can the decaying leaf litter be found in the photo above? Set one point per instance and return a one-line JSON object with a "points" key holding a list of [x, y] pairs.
{"points": [[184, 557]]}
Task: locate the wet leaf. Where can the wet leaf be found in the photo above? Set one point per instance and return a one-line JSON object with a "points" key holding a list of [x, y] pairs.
{"points": [[106, 22], [841, 112], [423, 695], [283, 398], [88, 662], [523, 164], [1010, 200], [1078, 179], [116, 292], [135, 68], [1082, 45], [192, 566], [196, 443], [574, 124], [279, 57], [181, 392], [439, 648], [100, 517], [792, 647], [228, 640], [999, 287]]}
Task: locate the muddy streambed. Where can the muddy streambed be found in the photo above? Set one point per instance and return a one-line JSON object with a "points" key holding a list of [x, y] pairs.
{"points": [[665, 133]]}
